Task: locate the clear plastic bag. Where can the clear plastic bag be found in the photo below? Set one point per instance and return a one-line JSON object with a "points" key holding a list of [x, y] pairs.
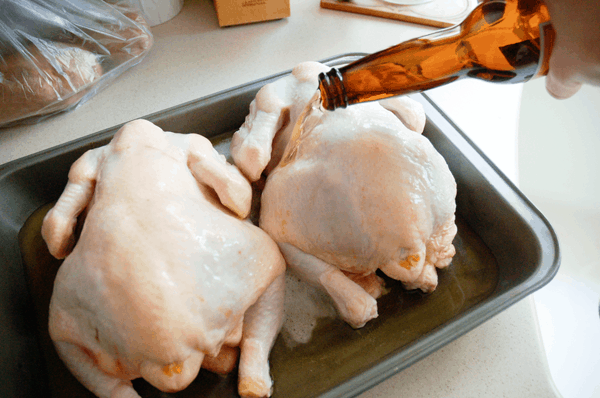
{"points": [[56, 54]]}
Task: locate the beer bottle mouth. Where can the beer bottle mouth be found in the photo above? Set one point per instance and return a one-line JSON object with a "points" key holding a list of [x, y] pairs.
{"points": [[333, 92]]}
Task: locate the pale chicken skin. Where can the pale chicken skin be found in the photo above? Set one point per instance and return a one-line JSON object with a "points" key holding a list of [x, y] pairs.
{"points": [[359, 190], [166, 274]]}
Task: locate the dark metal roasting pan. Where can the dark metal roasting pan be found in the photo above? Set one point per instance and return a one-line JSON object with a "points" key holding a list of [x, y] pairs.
{"points": [[506, 249]]}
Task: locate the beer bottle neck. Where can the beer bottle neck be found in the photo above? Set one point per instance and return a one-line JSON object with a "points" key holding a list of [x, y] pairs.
{"points": [[333, 92], [413, 66]]}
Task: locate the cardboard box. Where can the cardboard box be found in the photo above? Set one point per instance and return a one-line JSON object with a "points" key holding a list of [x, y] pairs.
{"points": [[237, 12]]}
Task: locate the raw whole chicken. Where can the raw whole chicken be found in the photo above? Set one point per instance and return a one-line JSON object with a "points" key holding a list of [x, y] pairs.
{"points": [[166, 275], [358, 189]]}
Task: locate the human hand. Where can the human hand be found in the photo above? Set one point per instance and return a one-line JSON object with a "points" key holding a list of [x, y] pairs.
{"points": [[575, 58]]}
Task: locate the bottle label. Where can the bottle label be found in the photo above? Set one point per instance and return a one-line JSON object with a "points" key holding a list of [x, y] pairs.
{"points": [[547, 36]]}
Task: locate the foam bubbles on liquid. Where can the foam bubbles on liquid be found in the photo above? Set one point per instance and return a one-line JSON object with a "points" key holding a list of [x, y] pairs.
{"points": [[304, 306]]}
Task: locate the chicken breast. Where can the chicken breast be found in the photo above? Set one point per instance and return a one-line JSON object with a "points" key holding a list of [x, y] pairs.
{"points": [[349, 192], [166, 273]]}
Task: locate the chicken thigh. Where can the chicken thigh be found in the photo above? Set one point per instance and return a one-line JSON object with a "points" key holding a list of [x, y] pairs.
{"points": [[349, 192], [166, 273]]}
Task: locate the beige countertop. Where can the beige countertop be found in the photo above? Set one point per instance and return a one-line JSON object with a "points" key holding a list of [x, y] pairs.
{"points": [[193, 57]]}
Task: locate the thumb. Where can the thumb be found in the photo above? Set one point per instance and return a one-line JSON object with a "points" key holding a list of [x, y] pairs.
{"points": [[560, 82]]}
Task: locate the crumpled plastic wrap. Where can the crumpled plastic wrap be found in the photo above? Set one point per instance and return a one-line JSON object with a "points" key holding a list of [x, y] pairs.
{"points": [[56, 54]]}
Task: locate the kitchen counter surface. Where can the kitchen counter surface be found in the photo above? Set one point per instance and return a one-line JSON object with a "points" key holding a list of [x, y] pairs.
{"points": [[193, 57]]}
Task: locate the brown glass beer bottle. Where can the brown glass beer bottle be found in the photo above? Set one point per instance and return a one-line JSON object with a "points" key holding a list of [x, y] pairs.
{"points": [[503, 41]]}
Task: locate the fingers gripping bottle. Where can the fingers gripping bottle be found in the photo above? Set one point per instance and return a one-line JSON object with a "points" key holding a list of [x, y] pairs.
{"points": [[501, 41]]}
